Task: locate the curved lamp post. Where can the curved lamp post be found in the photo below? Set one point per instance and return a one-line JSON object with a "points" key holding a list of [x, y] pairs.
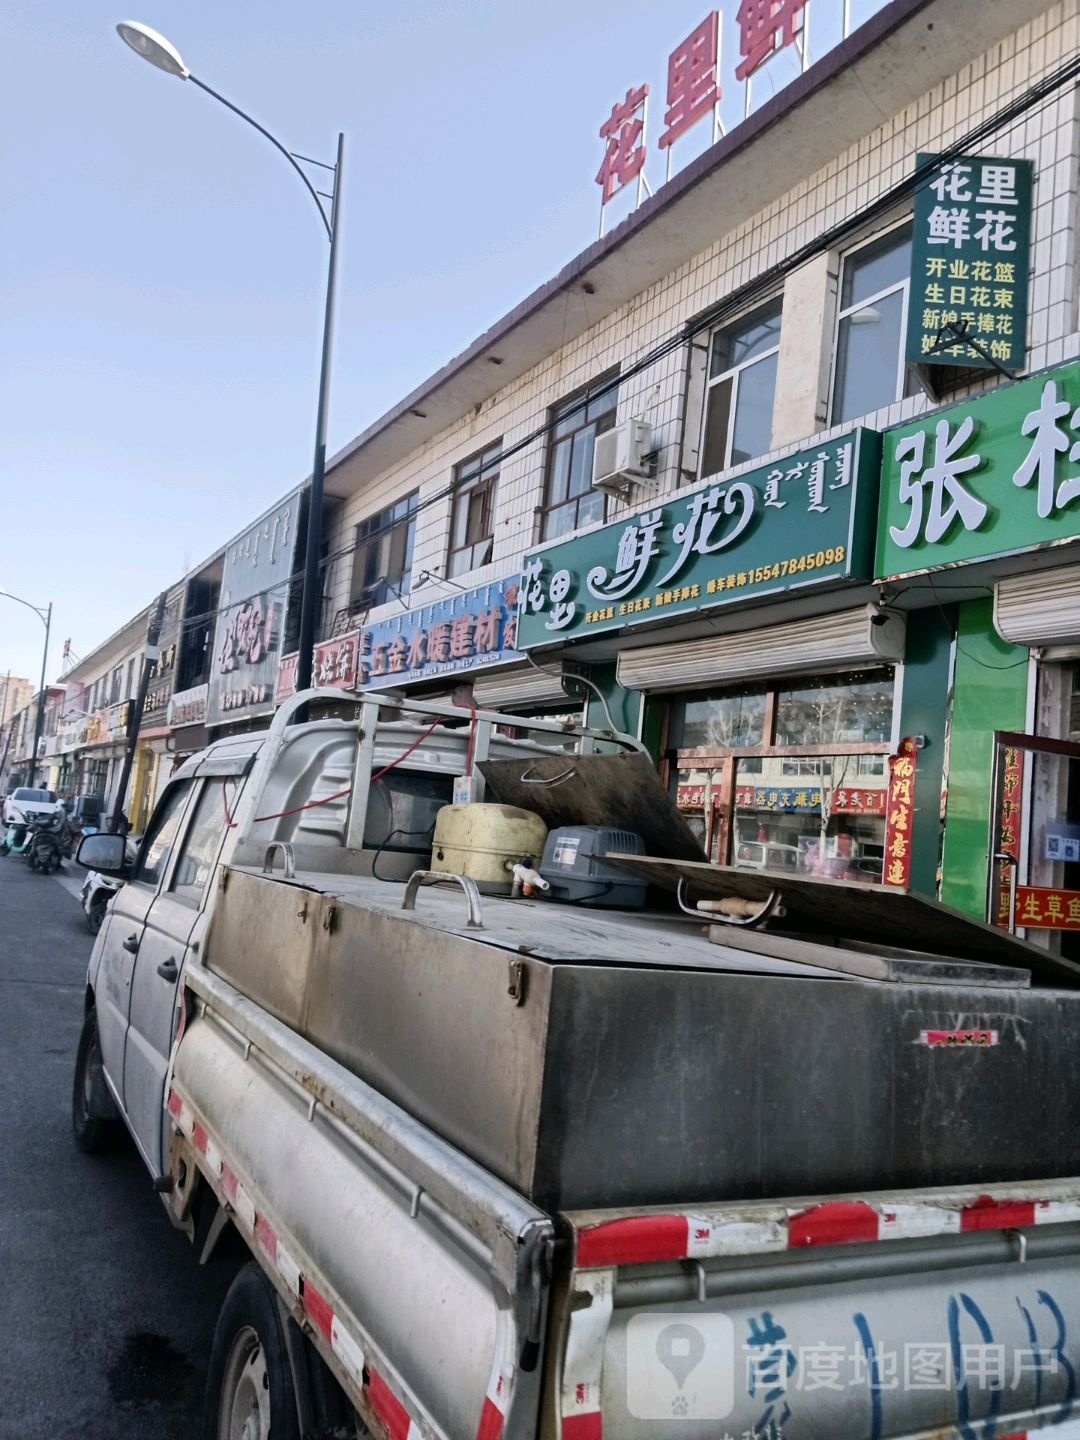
{"points": [[155, 49], [45, 616]]}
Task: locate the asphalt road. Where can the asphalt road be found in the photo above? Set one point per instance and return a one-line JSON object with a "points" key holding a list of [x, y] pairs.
{"points": [[105, 1315]]}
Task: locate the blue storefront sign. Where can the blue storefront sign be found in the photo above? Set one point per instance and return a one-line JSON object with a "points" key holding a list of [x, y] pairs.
{"points": [[469, 631]]}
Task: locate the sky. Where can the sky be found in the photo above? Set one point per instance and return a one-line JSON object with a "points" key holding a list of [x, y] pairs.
{"points": [[162, 270]]}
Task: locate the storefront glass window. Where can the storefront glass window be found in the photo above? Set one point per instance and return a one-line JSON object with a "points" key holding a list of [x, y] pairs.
{"points": [[810, 797], [729, 720], [839, 709]]}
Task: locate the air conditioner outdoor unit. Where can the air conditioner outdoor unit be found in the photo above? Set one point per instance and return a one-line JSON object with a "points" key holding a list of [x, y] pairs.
{"points": [[619, 457]]}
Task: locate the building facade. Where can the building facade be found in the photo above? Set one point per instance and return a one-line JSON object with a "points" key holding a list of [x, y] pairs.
{"points": [[782, 475]]}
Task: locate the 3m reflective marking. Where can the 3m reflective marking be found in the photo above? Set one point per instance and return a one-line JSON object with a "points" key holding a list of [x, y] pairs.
{"points": [[634, 1241], [267, 1237], [288, 1269], [580, 1397], [730, 1230], [958, 1039], [501, 1384], [347, 1351], [390, 1410], [319, 1309]]}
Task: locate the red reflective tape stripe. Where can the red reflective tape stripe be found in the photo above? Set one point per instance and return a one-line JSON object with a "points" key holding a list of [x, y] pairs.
{"points": [[492, 1421], [583, 1427], [320, 1310], [388, 1407], [229, 1183], [989, 1214], [266, 1236], [176, 1105], [634, 1241], [201, 1138], [840, 1223]]}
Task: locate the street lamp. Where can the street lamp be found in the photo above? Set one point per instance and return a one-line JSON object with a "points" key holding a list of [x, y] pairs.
{"points": [[155, 49], [45, 616]]}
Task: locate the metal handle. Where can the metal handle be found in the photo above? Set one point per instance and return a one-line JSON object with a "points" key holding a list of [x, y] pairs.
{"points": [[131, 944], [441, 877], [546, 783], [768, 908], [167, 969], [289, 859]]}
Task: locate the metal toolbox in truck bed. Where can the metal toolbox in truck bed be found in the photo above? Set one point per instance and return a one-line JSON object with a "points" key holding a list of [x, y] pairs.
{"points": [[601, 1059]]}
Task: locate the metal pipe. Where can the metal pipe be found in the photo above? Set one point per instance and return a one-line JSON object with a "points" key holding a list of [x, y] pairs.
{"points": [[310, 604], [842, 1264]]}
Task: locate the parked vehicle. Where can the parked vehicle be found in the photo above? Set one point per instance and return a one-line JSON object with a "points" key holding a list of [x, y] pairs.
{"points": [[17, 838], [28, 802], [505, 1168], [97, 890], [52, 841]]}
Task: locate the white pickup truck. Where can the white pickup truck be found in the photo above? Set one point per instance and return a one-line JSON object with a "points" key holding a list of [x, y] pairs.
{"points": [[507, 1168]]}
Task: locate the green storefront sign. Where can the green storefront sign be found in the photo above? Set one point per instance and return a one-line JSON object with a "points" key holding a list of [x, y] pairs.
{"points": [[807, 520], [995, 476], [969, 262]]}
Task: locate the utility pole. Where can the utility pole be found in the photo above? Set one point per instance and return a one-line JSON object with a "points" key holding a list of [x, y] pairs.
{"points": [[150, 656]]}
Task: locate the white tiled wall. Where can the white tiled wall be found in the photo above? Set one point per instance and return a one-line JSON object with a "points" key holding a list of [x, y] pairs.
{"points": [[1048, 135]]}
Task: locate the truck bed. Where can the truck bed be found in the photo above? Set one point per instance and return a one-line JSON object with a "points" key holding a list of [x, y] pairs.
{"points": [[593, 1059]]}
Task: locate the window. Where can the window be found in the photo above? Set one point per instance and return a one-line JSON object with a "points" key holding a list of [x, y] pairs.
{"points": [[160, 838], [569, 499], [203, 840], [789, 777], [473, 515], [870, 368], [382, 564], [740, 390]]}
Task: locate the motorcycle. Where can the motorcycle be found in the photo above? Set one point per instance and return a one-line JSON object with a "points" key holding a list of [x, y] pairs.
{"points": [[95, 895], [17, 838], [52, 841]]}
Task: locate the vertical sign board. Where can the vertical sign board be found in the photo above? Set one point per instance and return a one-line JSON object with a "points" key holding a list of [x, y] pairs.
{"points": [[803, 521], [899, 815], [970, 261], [995, 476], [1008, 831], [254, 595]]}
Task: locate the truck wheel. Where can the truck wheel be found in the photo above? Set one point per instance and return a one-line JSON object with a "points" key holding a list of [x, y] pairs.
{"points": [[93, 1132], [249, 1387]]}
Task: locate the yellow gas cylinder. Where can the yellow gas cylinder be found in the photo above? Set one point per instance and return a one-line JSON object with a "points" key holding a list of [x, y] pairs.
{"points": [[478, 840]]}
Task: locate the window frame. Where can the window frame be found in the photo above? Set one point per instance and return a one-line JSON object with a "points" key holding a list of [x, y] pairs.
{"points": [[466, 488], [562, 410], [226, 806], [384, 588], [183, 789], [735, 373], [844, 313]]}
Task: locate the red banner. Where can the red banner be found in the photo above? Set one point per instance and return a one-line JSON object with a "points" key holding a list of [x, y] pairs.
{"points": [[900, 815], [1008, 838], [1040, 908]]}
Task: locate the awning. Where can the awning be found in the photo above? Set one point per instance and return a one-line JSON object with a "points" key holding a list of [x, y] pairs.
{"points": [[1041, 608], [865, 636], [519, 687]]}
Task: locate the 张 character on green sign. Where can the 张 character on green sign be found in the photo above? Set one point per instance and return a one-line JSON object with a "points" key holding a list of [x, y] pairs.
{"points": [[995, 476], [970, 262]]}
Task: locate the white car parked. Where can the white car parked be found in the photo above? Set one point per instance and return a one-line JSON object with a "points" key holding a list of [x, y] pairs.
{"points": [[26, 802]]}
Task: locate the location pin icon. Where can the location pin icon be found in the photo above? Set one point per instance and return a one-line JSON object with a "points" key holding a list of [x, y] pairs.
{"points": [[680, 1349]]}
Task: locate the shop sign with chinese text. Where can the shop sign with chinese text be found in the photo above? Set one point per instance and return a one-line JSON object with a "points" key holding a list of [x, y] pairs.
{"points": [[471, 630], [333, 666], [807, 801], [806, 520], [762, 30], [188, 707], [970, 261], [1040, 908], [994, 476], [247, 641]]}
